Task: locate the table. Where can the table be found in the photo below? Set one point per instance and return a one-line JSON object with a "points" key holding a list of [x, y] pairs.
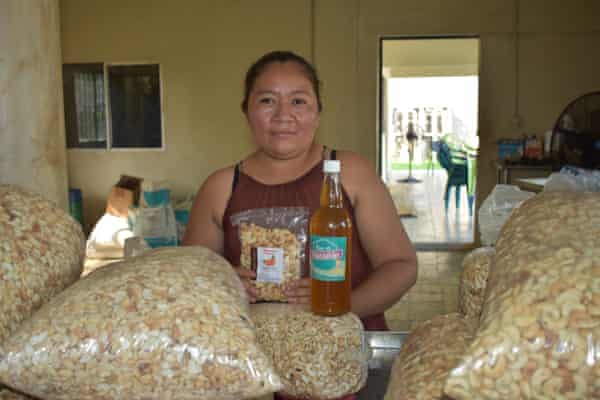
{"points": [[535, 185], [505, 172]]}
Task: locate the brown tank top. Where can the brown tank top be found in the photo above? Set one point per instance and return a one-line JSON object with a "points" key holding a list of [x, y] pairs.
{"points": [[247, 193]]}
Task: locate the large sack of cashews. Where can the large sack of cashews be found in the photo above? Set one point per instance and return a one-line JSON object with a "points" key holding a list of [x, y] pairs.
{"points": [[172, 323], [473, 280], [41, 253], [315, 356], [427, 355], [6, 394], [539, 336]]}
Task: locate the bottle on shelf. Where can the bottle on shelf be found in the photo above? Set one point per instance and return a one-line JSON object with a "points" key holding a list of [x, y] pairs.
{"points": [[330, 247], [533, 148]]}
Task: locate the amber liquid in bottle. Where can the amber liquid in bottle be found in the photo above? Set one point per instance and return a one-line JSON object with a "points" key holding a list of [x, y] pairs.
{"points": [[330, 248]]}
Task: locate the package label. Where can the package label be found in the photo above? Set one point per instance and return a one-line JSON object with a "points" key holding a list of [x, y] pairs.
{"points": [[269, 264], [328, 258]]}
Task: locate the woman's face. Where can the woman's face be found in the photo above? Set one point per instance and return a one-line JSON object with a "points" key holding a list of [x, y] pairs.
{"points": [[283, 110]]}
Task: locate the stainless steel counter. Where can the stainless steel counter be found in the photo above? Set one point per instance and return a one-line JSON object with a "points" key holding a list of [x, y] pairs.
{"points": [[384, 347]]}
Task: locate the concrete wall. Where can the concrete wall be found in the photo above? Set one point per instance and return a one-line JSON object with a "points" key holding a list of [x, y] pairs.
{"points": [[204, 48], [32, 141]]}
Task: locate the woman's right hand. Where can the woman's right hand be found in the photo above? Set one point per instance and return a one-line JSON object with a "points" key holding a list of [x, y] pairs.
{"points": [[248, 278]]}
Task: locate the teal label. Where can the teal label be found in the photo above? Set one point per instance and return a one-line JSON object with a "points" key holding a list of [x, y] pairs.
{"points": [[328, 258]]}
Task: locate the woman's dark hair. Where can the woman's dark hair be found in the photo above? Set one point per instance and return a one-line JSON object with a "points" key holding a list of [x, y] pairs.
{"points": [[282, 57]]}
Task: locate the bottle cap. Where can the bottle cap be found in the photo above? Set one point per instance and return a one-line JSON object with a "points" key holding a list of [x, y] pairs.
{"points": [[331, 166]]}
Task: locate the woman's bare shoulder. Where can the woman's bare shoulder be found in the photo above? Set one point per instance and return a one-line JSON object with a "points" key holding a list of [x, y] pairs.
{"points": [[205, 225], [220, 178], [358, 176], [355, 167], [216, 190]]}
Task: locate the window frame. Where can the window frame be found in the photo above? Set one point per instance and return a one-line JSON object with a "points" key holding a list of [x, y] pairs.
{"points": [[108, 111]]}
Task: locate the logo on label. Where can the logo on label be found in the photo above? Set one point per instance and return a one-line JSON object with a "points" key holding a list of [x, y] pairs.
{"points": [[328, 258]]}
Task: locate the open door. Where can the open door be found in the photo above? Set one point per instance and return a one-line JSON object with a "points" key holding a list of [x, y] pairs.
{"points": [[428, 135]]}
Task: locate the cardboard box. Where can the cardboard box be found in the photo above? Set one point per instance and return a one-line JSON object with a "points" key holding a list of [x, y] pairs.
{"points": [[125, 194]]}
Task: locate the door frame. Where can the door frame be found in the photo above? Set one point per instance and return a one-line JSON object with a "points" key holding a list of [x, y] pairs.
{"points": [[380, 87], [446, 246]]}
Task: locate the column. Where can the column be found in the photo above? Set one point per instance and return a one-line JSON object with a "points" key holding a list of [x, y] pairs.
{"points": [[32, 133]]}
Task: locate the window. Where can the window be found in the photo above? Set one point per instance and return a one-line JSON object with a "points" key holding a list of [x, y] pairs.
{"points": [[85, 116], [112, 106]]}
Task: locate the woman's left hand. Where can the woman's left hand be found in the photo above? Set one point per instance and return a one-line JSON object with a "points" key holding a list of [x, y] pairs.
{"points": [[298, 291]]}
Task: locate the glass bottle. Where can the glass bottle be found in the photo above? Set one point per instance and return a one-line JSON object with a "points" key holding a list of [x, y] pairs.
{"points": [[330, 247]]}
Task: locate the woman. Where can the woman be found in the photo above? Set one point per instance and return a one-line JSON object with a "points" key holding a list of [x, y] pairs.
{"points": [[282, 105]]}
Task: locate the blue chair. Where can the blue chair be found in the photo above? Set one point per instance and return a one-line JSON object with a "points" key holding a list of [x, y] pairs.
{"points": [[454, 161]]}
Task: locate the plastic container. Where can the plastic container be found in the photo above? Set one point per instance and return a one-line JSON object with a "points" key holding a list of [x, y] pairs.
{"points": [[76, 205]]}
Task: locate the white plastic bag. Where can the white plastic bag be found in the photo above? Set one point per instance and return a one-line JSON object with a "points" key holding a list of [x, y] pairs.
{"points": [[154, 220], [573, 179], [155, 224], [496, 208], [108, 237], [155, 194], [135, 245], [182, 215]]}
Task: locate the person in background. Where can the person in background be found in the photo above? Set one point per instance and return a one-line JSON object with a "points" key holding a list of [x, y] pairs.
{"points": [[282, 105]]}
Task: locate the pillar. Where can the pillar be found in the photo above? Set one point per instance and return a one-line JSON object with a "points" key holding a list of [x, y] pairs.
{"points": [[32, 132]]}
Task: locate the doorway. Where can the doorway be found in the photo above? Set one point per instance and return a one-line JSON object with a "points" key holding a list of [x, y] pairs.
{"points": [[428, 119]]}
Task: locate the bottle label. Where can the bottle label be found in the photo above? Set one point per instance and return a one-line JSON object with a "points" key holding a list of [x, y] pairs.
{"points": [[269, 264], [328, 258]]}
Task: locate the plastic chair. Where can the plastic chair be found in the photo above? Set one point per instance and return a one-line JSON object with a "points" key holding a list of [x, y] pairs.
{"points": [[454, 161]]}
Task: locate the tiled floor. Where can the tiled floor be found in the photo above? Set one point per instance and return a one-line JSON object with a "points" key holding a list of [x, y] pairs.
{"points": [[433, 227], [436, 290]]}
